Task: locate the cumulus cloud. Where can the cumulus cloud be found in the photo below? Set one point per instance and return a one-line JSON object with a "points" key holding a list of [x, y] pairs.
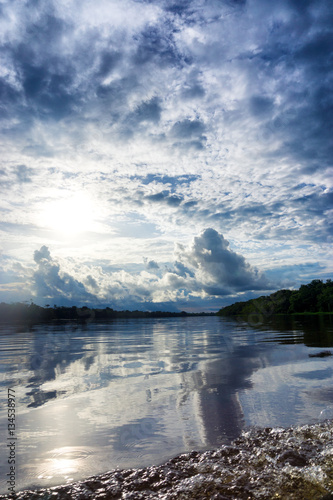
{"points": [[205, 268], [50, 282], [176, 116], [151, 265], [219, 269], [42, 255]]}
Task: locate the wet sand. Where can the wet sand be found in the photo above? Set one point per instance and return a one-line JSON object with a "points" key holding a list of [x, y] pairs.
{"points": [[295, 463]]}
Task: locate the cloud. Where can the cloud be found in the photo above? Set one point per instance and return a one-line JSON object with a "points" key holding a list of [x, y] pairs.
{"points": [[219, 269], [92, 74], [42, 255], [207, 267], [176, 116], [151, 265], [164, 197], [148, 111], [23, 173], [260, 105], [189, 133], [50, 282]]}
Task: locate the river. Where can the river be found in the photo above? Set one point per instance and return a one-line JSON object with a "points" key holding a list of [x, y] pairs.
{"points": [[132, 393]]}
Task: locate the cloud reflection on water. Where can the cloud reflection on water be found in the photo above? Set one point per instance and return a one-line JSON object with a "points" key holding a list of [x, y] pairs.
{"points": [[138, 392]]}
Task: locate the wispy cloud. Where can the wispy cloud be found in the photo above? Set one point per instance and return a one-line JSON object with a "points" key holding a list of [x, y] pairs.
{"points": [[169, 118]]}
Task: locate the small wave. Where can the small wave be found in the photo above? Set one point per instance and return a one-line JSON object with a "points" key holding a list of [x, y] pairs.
{"points": [[62, 464], [263, 464], [71, 453]]}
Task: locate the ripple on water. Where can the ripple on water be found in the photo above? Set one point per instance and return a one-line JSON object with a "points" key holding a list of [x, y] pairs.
{"points": [[262, 464], [63, 464], [327, 413]]}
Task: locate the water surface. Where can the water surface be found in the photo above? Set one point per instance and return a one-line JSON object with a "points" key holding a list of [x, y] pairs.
{"points": [[130, 393]]}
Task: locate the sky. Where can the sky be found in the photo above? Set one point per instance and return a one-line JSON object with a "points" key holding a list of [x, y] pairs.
{"points": [[164, 155]]}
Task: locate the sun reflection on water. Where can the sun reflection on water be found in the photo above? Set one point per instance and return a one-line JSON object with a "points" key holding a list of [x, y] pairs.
{"points": [[64, 463]]}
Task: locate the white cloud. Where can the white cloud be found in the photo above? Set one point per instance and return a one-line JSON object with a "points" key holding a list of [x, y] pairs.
{"points": [[206, 268], [124, 99], [220, 270], [50, 282]]}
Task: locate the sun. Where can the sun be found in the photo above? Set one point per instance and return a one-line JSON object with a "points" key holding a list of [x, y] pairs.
{"points": [[70, 216]]}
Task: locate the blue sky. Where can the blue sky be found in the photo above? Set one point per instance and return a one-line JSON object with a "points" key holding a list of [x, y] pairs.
{"points": [[164, 155]]}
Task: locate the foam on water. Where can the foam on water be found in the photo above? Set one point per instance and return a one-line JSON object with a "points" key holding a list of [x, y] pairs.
{"points": [[264, 464]]}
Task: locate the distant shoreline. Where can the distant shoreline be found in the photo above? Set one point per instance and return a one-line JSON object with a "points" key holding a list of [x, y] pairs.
{"points": [[26, 321], [19, 313], [274, 315]]}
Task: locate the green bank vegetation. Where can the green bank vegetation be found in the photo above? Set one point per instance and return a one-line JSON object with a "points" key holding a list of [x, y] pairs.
{"points": [[32, 313], [313, 298]]}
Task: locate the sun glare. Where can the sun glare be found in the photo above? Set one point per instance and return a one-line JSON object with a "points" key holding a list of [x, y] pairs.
{"points": [[69, 216]]}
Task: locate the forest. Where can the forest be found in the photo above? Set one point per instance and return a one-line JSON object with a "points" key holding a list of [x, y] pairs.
{"points": [[32, 313], [315, 297]]}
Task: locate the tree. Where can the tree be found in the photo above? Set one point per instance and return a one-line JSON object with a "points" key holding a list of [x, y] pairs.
{"points": [[325, 300]]}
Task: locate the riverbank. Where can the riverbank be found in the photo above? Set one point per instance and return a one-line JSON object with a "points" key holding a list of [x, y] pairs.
{"points": [[315, 297], [29, 314], [286, 464]]}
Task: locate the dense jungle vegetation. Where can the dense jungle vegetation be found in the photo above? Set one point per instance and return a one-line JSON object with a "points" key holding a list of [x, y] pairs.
{"points": [[315, 297]]}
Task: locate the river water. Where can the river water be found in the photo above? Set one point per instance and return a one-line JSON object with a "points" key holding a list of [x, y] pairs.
{"points": [[130, 393]]}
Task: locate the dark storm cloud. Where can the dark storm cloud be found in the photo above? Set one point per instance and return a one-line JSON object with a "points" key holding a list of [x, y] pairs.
{"points": [[55, 80], [317, 50], [305, 132], [188, 7], [180, 7]]}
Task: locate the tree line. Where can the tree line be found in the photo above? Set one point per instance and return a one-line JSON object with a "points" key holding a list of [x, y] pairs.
{"points": [[33, 313], [315, 297]]}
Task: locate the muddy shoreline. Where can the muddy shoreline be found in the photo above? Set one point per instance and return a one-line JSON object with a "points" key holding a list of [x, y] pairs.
{"points": [[294, 463]]}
